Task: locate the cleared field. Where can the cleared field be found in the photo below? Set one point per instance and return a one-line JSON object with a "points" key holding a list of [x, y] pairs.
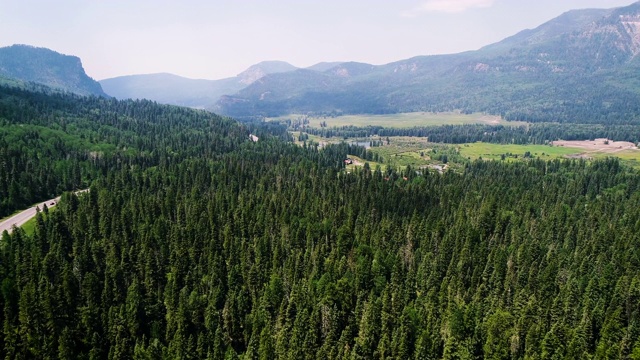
{"points": [[359, 162], [418, 153], [513, 152], [403, 120], [598, 145], [403, 151], [627, 152], [629, 155]]}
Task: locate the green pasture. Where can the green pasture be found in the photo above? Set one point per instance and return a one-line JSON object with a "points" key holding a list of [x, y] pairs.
{"points": [[404, 151], [489, 151], [628, 157], [417, 152], [545, 152]]}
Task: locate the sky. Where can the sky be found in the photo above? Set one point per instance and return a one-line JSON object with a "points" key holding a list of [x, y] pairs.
{"points": [[215, 39]]}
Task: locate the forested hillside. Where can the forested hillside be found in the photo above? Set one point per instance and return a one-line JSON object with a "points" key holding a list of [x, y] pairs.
{"points": [[52, 141], [195, 242]]}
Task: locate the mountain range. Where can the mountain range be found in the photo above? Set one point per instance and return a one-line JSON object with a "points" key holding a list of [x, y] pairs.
{"points": [[579, 67], [580, 64], [197, 93]]}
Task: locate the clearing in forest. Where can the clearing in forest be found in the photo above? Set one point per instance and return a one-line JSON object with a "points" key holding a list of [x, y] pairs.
{"points": [[588, 149], [597, 145], [513, 152]]}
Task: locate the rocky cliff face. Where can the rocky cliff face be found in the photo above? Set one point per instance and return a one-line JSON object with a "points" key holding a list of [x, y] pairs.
{"points": [[47, 67], [614, 38], [629, 33]]}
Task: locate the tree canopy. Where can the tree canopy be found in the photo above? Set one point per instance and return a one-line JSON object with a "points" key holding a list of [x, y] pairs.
{"points": [[195, 242]]}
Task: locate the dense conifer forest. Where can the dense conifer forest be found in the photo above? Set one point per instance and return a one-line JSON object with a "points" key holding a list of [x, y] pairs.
{"points": [[52, 141], [196, 243]]}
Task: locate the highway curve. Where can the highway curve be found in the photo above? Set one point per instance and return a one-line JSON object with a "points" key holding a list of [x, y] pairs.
{"points": [[22, 217]]}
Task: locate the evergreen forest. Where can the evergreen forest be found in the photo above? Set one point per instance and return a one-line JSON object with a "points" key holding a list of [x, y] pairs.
{"points": [[195, 242]]}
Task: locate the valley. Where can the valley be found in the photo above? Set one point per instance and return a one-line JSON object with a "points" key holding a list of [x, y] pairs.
{"points": [[419, 152], [477, 205]]}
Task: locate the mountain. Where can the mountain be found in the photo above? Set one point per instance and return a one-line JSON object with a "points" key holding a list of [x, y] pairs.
{"points": [[262, 69], [575, 68], [47, 67], [324, 66], [566, 23], [197, 93], [170, 89]]}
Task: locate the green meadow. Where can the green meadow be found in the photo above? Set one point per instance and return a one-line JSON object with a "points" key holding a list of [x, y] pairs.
{"points": [[417, 152], [627, 157], [489, 151]]}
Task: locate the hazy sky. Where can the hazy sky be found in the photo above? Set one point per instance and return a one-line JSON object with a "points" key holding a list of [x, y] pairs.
{"points": [[213, 39]]}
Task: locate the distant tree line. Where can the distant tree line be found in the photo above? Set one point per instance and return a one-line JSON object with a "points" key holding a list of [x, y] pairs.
{"points": [[538, 133]]}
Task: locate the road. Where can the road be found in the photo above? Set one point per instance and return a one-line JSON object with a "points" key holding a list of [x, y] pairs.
{"points": [[22, 217]]}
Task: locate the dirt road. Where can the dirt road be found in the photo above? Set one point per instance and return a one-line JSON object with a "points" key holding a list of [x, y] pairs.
{"points": [[22, 217]]}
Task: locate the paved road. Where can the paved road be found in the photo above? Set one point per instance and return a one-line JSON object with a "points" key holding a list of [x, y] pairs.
{"points": [[22, 217]]}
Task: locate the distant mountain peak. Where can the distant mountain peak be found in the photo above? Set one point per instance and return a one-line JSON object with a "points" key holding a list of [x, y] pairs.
{"points": [[569, 22], [259, 70], [350, 69], [47, 67], [324, 66]]}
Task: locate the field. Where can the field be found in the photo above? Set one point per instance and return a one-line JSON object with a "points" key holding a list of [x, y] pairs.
{"points": [[627, 152], [513, 152], [404, 150], [358, 162], [418, 153], [403, 120], [627, 157], [598, 145]]}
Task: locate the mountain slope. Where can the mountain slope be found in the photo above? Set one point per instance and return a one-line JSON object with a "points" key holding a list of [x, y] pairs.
{"points": [[324, 66], [47, 67], [566, 23], [575, 68], [197, 93], [170, 89], [262, 69]]}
